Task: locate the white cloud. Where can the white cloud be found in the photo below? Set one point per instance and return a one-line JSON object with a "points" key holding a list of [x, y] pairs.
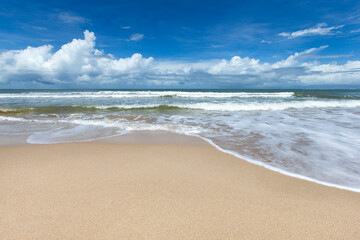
{"points": [[333, 73], [77, 60], [265, 41], [319, 29], [293, 60], [355, 31], [70, 18], [40, 28], [79, 63], [136, 37], [126, 27], [238, 66]]}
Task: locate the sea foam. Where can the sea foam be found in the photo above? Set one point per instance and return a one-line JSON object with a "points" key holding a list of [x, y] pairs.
{"points": [[311, 135]]}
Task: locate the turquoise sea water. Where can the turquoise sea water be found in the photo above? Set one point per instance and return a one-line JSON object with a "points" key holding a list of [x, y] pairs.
{"points": [[314, 134]]}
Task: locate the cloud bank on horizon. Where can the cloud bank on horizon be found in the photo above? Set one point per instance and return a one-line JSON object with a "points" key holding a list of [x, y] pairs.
{"points": [[79, 64]]}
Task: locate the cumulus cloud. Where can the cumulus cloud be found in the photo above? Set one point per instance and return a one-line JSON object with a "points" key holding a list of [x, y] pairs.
{"points": [[80, 64], [333, 73], [319, 29], [75, 62]]}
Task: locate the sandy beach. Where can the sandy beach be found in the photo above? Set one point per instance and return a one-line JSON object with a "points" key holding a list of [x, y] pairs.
{"points": [[104, 190]]}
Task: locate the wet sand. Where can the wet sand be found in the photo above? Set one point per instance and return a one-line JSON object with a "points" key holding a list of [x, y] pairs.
{"points": [[103, 190]]}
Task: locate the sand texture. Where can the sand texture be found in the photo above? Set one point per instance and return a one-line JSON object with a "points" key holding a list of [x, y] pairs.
{"points": [[143, 191]]}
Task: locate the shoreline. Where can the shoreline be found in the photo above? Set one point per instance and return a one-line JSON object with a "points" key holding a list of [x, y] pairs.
{"points": [[281, 171], [162, 191], [169, 137], [137, 137]]}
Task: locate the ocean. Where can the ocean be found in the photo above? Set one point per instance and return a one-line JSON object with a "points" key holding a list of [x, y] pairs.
{"points": [[310, 134]]}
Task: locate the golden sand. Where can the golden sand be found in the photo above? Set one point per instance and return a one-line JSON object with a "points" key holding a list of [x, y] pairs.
{"points": [[143, 191]]}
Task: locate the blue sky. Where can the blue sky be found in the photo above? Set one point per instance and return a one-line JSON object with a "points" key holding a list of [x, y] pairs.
{"points": [[179, 44]]}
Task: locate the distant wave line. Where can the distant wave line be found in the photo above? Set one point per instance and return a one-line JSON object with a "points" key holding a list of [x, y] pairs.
{"points": [[149, 94], [229, 107]]}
